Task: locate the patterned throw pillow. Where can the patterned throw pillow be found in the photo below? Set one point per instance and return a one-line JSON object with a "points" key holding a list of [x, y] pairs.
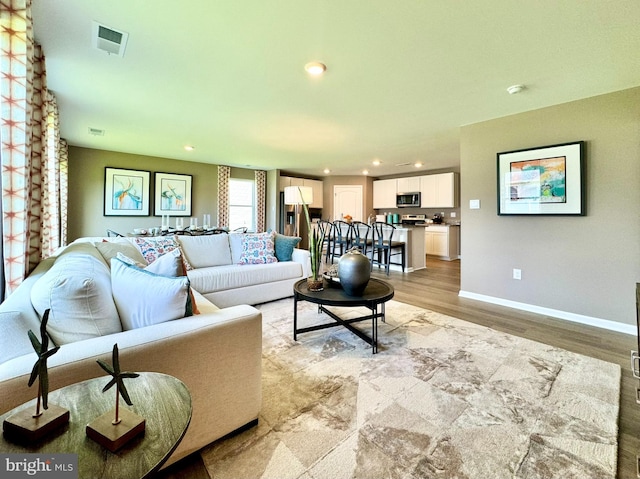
{"points": [[153, 248], [258, 248]]}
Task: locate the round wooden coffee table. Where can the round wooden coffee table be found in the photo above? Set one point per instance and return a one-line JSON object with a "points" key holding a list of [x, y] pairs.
{"points": [[164, 402], [375, 295]]}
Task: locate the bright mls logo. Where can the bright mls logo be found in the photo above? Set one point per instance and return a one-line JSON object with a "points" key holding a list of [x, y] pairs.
{"points": [[52, 466]]}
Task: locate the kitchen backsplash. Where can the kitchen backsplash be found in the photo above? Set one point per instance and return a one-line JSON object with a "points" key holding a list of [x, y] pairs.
{"points": [[428, 212]]}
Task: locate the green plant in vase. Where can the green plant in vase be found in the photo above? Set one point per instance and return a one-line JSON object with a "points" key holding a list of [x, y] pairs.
{"points": [[316, 240]]}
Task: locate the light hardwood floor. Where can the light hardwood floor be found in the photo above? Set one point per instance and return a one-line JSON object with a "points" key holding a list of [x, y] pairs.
{"points": [[436, 288]]}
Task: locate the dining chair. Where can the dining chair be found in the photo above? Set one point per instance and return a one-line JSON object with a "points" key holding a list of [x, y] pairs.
{"points": [[113, 234], [217, 231]]}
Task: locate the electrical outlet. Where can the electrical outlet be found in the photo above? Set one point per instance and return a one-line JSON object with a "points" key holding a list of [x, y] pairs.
{"points": [[517, 273], [453, 214]]}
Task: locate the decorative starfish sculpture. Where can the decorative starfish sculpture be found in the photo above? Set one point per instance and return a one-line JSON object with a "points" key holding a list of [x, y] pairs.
{"points": [[118, 377], [40, 367]]}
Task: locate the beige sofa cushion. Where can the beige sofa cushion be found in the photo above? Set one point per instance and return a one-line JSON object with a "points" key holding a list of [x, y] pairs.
{"points": [[220, 278], [77, 289], [15, 339], [206, 250], [110, 249]]}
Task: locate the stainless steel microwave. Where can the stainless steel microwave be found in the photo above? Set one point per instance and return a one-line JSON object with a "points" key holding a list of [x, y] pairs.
{"points": [[407, 200]]}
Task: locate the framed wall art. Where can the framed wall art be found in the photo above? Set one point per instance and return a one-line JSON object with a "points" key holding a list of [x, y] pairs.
{"points": [[126, 192], [549, 180], [172, 194]]}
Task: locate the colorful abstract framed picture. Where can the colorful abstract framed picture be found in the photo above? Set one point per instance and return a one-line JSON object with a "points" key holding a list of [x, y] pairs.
{"points": [[548, 180], [172, 194], [126, 192]]}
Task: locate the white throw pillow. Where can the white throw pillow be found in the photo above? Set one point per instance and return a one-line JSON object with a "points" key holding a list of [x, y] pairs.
{"points": [[145, 298], [169, 264], [15, 338], [77, 289], [235, 242]]}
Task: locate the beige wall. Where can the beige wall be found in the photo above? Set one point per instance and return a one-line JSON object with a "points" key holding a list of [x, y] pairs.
{"points": [[86, 189], [367, 188], [585, 265]]}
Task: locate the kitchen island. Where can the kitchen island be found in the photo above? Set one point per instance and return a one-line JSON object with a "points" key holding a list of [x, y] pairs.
{"points": [[413, 237]]}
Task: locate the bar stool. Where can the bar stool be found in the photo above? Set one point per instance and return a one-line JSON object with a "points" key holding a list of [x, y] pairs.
{"points": [[383, 246], [360, 236], [340, 237], [324, 229]]}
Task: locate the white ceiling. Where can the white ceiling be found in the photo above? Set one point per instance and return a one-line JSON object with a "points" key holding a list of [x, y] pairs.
{"points": [[227, 75]]}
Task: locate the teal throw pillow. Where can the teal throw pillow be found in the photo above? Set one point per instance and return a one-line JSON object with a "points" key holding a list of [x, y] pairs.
{"points": [[285, 246]]}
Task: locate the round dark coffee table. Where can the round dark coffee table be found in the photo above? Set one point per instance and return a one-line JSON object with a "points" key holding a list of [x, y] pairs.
{"points": [[375, 295], [164, 402]]}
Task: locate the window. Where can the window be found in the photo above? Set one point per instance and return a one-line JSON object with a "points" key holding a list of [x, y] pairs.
{"points": [[242, 204]]}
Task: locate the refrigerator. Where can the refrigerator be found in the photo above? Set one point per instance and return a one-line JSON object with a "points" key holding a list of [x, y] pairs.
{"points": [[288, 219]]}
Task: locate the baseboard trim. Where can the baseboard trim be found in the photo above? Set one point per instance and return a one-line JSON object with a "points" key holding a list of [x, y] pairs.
{"points": [[575, 318]]}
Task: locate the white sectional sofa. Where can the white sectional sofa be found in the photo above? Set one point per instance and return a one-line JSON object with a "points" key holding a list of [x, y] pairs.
{"points": [[219, 276], [216, 353]]}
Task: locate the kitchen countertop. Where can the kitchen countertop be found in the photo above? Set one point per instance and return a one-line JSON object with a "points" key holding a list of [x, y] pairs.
{"points": [[424, 225]]}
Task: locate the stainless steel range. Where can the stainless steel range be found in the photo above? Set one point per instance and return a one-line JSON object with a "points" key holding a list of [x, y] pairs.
{"points": [[413, 219]]}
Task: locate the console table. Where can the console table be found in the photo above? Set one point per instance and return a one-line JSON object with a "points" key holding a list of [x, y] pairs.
{"points": [[375, 295], [162, 400]]}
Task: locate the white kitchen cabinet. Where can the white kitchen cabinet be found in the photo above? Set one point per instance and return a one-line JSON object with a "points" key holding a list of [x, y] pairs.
{"points": [[318, 192], [428, 190], [439, 191], [316, 185], [408, 185], [384, 194], [442, 241]]}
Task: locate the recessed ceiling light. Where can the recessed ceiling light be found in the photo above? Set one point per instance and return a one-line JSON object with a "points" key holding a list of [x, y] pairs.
{"points": [[513, 89], [189, 147], [365, 172], [327, 171], [376, 162], [417, 164], [315, 68]]}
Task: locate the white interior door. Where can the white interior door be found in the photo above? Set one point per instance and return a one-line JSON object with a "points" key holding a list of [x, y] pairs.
{"points": [[347, 200]]}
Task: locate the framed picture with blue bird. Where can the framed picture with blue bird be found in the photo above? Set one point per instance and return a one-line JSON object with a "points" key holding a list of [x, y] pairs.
{"points": [[126, 192]]}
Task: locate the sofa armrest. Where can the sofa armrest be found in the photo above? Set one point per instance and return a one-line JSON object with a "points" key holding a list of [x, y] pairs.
{"points": [[216, 355], [302, 256]]}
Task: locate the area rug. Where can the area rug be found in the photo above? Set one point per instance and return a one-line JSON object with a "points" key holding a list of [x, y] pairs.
{"points": [[443, 398]]}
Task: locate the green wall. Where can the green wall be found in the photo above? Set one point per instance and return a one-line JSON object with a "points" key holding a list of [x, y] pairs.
{"points": [[86, 189]]}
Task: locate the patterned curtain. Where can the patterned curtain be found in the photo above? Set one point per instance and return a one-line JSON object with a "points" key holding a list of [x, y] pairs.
{"points": [[224, 173], [31, 149], [261, 197], [64, 190]]}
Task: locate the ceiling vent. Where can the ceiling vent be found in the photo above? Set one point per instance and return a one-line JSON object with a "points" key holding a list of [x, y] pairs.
{"points": [[109, 40], [96, 131]]}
